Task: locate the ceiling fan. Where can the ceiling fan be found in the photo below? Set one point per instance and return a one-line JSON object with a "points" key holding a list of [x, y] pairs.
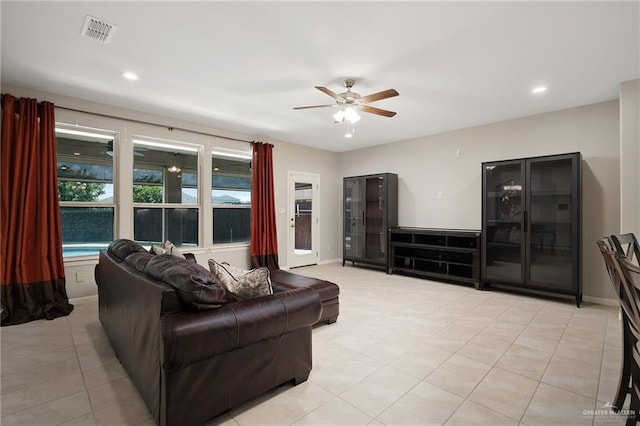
{"points": [[354, 100]]}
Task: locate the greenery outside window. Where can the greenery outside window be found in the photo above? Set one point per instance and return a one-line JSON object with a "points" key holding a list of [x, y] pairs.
{"points": [[85, 189], [231, 197], [165, 193]]}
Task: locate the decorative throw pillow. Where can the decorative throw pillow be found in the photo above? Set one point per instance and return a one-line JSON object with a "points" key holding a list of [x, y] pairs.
{"points": [[245, 285], [167, 248], [157, 250], [233, 270]]}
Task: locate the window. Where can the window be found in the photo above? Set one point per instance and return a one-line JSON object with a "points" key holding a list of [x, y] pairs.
{"points": [[231, 197], [85, 189], [165, 193]]}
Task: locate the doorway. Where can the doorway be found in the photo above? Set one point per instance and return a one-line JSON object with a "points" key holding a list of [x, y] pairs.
{"points": [[303, 191]]}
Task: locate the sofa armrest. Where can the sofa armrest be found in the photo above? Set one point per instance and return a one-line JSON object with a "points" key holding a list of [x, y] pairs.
{"points": [[189, 337]]}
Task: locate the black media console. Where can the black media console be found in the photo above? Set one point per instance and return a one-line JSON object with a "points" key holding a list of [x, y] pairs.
{"points": [[441, 254]]}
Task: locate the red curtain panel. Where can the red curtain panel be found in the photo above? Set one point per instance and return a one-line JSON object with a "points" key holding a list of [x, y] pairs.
{"points": [[32, 278], [264, 238]]}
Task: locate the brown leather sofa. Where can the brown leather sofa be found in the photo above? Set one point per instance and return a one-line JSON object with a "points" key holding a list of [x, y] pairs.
{"points": [[191, 353]]}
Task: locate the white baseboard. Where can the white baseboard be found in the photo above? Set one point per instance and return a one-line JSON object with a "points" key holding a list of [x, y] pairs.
{"points": [[84, 299], [601, 300], [322, 262], [326, 262]]}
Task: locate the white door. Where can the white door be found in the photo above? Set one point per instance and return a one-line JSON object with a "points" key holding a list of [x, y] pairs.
{"points": [[303, 219]]}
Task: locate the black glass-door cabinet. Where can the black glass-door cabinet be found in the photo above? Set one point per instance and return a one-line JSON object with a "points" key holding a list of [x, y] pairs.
{"points": [[531, 224], [370, 209]]}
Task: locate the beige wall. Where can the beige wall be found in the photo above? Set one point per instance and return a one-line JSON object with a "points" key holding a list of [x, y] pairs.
{"points": [[630, 157], [450, 163], [297, 158]]}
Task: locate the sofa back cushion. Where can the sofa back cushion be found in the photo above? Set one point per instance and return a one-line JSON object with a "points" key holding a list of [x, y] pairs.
{"points": [[139, 260], [123, 248], [196, 287]]}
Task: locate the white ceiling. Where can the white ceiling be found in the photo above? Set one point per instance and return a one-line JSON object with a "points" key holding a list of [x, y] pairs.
{"points": [[243, 66]]}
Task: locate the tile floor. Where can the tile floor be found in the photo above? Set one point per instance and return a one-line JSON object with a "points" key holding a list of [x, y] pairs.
{"points": [[405, 351]]}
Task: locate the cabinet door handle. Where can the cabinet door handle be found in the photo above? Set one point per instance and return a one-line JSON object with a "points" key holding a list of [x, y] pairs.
{"points": [[526, 221]]}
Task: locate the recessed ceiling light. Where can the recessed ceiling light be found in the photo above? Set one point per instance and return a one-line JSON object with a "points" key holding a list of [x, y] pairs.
{"points": [[539, 89], [130, 75]]}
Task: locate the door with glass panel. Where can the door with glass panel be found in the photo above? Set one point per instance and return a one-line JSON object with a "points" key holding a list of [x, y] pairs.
{"points": [[303, 219], [375, 219], [354, 211], [503, 217], [552, 229]]}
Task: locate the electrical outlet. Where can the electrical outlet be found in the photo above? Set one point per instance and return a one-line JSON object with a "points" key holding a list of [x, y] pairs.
{"points": [[79, 277]]}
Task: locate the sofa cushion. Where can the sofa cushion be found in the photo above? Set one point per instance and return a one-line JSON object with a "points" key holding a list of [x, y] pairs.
{"points": [[241, 283], [123, 248], [196, 287], [138, 260], [326, 289]]}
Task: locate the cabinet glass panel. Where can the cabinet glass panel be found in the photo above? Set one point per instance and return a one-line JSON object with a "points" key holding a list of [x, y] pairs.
{"points": [[504, 209], [354, 218], [376, 239], [550, 238]]}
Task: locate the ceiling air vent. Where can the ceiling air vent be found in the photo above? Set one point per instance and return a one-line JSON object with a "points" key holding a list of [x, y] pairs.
{"points": [[97, 29]]}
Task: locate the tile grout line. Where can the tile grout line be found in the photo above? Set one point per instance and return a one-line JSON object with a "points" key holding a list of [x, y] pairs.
{"points": [[84, 381]]}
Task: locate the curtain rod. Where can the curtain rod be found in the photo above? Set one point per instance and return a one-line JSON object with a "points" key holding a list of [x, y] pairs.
{"points": [[170, 128]]}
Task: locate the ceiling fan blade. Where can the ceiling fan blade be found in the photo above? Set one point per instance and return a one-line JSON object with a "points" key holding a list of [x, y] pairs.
{"points": [[329, 92], [390, 93], [314, 106], [377, 111]]}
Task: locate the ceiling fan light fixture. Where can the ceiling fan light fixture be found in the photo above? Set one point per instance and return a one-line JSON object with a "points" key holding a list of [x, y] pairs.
{"points": [[176, 164], [351, 115], [349, 103], [351, 130]]}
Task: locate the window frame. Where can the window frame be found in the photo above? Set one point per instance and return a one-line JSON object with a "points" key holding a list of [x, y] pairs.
{"points": [[172, 145], [98, 133], [232, 154]]}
